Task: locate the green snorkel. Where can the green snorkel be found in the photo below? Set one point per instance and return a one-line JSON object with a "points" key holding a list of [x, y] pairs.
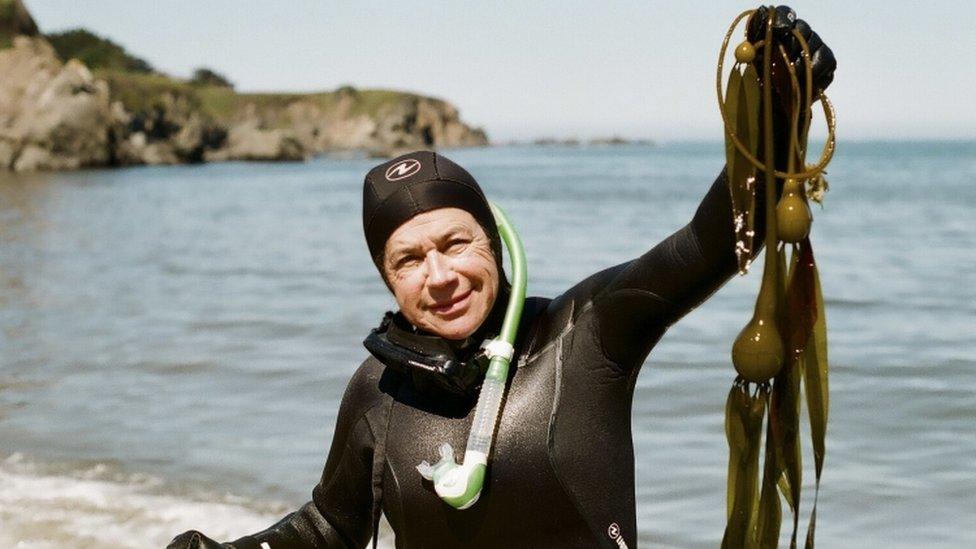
{"points": [[460, 484]]}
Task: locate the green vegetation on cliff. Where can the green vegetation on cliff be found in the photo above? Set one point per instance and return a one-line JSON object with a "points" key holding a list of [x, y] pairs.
{"points": [[141, 92], [134, 82], [96, 52], [222, 103], [209, 77], [14, 20]]}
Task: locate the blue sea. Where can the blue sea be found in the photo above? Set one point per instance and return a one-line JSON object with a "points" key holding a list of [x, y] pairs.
{"points": [[174, 341]]}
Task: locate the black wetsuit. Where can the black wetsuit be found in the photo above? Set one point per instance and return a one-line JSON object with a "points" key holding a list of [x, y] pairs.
{"points": [[562, 470]]}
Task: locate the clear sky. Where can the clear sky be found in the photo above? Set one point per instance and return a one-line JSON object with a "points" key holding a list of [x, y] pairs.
{"points": [[526, 69]]}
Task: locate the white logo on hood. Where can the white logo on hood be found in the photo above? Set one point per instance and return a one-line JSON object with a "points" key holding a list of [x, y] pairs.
{"points": [[402, 169]]}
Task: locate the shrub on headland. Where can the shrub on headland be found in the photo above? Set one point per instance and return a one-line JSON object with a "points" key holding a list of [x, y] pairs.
{"points": [[208, 77], [96, 52], [15, 20]]}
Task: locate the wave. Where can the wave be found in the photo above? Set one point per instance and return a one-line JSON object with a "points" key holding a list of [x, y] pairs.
{"points": [[95, 505]]}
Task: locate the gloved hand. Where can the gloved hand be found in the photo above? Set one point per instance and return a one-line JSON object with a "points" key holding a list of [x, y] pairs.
{"points": [[784, 21], [195, 540]]}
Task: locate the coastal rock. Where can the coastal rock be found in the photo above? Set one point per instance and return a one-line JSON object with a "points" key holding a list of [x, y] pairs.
{"points": [[422, 123], [333, 129], [52, 115], [400, 122], [172, 132], [56, 115], [248, 140], [7, 153]]}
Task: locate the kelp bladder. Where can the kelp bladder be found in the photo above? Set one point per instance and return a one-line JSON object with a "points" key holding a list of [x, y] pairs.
{"points": [[784, 344]]}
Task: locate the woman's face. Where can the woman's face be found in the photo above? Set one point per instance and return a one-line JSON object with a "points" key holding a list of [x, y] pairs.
{"points": [[442, 271]]}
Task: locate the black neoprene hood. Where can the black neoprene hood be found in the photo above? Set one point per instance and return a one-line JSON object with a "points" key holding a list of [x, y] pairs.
{"points": [[414, 183]]}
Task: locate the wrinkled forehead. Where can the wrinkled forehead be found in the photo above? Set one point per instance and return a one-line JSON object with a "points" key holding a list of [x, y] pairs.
{"points": [[432, 227]]}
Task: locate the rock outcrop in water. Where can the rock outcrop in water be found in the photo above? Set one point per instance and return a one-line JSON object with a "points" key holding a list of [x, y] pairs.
{"points": [[65, 115]]}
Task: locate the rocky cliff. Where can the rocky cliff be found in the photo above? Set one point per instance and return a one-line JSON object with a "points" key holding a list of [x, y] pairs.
{"points": [[62, 114], [53, 115]]}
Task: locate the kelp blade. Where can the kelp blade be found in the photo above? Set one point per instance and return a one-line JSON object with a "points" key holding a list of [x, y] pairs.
{"points": [[748, 411], [750, 89], [742, 107], [801, 305], [816, 369], [732, 115], [735, 433], [776, 428], [796, 318], [817, 391], [785, 414], [749, 98], [770, 512]]}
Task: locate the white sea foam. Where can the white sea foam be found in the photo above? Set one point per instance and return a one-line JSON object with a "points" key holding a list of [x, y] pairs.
{"points": [[96, 507], [45, 506]]}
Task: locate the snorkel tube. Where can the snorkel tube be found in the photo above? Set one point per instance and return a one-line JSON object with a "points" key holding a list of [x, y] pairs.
{"points": [[459, 485]]}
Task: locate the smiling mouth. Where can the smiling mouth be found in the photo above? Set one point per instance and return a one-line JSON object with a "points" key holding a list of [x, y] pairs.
{"points": [[451, 306]]}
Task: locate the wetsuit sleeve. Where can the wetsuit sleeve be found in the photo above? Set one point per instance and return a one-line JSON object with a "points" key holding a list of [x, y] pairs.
{"points": [[635, 302], [340, 513]]}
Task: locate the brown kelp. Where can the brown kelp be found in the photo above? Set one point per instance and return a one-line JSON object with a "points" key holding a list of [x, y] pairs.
{"points": [[784, 344]]}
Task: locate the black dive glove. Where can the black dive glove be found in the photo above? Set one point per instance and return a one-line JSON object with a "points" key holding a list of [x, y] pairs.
{"points": [[195, 540], [784, 21]]}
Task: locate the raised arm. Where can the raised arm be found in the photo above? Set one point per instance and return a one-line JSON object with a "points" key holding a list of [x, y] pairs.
{"points": [[341, 511], [635, 302], [640, 299]]}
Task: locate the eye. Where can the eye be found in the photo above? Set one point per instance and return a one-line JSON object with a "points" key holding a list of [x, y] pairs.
{"points": [[406, 261], [456, 245]]}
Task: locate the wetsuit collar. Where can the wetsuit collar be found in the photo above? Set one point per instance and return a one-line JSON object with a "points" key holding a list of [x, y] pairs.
{"points": [[457, 367]]}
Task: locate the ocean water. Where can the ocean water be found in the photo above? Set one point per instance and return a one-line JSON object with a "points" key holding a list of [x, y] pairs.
{"points": [[174, 341]]}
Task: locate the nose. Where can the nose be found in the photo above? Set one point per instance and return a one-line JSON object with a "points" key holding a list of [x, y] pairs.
{"points": [[440, 274]]}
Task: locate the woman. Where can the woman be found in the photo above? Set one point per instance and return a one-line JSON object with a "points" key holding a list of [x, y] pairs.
{"points": [[561, 473]]}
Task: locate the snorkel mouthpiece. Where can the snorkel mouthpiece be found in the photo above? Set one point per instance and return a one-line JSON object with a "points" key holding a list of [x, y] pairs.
{"points": [[459, 485]]}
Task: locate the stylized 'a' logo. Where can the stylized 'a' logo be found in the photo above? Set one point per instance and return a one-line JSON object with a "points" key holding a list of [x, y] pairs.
{"points": [[613, 532], [402, 169]]}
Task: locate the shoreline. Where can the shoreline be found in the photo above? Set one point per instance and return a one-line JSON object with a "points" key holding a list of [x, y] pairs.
{"points": [[95, 504]]}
